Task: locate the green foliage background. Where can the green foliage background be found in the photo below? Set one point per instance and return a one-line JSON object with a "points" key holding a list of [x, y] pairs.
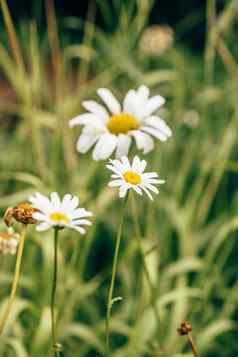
{"points": [[188, 233]]}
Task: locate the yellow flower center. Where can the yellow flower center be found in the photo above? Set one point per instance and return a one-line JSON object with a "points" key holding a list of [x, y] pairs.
{"points": [[132, 177], [122, 123], [59, 217]]}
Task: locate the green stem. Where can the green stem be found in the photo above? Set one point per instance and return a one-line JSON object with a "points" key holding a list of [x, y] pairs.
{"points": [[112, 284], [145, 268], [15, 279], [56, 345], [210, 41], [11, 34]]}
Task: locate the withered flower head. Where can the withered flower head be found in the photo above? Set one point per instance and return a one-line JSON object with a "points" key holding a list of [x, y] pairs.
{"points": [[22, 213], [9, 241], [185, 328], [156, 40]]}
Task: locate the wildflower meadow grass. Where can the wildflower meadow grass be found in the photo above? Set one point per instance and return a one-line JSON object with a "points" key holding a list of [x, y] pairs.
{"points": [[118, 184]]}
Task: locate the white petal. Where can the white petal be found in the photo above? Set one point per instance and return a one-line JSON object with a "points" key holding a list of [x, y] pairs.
{"points": [[152, 188], [43, 226], [74, 202], [77, 228], [147, 192], [135, 101], [80, 213], [135, 163], [137, 189], [153, 181], [86, 141], [115, 183], [126, 163], [86, 222], [55, 200], [65, 206], [41, 202], [105, 147], [114, 169], [155, 132], [109, 99], [150, 175], [96, 109], [92, 129], [143, 141], [86, 119], [138, 165], [159, 124], [123, 191], [39, 216], [121, 165], [152, 105], [130, 103], [123, 145], [143, 93]]}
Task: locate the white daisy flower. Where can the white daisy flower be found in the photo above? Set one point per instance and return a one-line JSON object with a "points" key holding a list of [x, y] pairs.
{"points": [[113, 131], [56, 213], [128, 176], [9, 241]]}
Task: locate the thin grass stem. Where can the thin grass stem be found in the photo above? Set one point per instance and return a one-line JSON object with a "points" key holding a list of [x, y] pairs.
{"points": [[145, 268], [15, 279], [59, 88], [211, 38], [11, 34]]}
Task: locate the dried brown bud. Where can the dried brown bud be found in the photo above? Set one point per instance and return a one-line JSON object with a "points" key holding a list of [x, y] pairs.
{"points": [[185, 328], [21, 213]]}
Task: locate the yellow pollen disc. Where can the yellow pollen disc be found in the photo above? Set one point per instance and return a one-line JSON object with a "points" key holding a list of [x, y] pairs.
{"points": [[122, 123], [58, 217], [132, 177]]}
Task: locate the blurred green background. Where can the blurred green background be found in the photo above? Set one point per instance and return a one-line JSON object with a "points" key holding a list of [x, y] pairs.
{"points": [[189, 233]]}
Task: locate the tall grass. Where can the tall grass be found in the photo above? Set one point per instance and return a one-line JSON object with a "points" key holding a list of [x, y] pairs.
{"points": [[188, 234]]}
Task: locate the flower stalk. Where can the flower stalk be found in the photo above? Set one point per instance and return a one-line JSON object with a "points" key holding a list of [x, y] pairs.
{"points": [[56, 346], [15, 279], [110, 299]]}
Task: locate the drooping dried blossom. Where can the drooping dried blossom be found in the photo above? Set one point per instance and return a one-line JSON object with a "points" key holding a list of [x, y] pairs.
{"points": [[22, 213]]}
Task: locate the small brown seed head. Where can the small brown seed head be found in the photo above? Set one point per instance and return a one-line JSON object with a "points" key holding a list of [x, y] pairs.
{"points": [[21, 213], [185, 328]]}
